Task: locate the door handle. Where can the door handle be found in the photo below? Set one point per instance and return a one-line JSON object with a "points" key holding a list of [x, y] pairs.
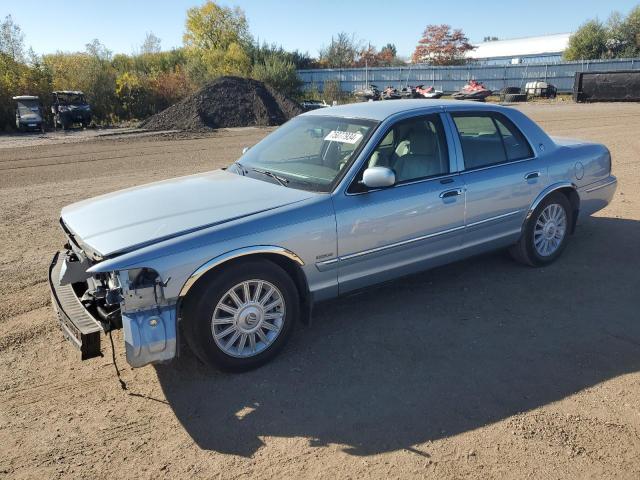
{"points": [[451, 193], [531, 175]]}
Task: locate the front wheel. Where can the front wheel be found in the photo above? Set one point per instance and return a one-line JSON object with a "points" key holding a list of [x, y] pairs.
{"points": [[242, 317], [546, 232]]}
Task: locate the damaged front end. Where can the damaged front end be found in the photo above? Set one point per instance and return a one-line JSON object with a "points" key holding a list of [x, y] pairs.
{"points": [[90, 304]]}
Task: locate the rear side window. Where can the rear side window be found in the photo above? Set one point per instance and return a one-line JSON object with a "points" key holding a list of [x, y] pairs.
{"points": [[489, 139], [515, 144]]}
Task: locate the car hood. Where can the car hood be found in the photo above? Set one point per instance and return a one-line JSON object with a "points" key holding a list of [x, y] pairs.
{"points": [[128, 219]]}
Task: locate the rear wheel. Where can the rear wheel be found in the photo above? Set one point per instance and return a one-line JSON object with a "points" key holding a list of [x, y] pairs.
{"points": [[243, 317], [546, 232]]}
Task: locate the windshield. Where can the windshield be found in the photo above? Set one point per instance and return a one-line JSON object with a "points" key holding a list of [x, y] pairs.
{"points": [[308, 152], [70, 99], [26, 107]]}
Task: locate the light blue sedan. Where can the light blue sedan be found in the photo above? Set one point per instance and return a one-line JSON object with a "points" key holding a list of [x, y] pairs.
{"points": [[335, 200]]}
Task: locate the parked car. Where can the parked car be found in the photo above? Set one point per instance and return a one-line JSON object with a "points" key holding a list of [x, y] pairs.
{"points": [[308, 105], [29, 113], [335, 200], [68, 108]]}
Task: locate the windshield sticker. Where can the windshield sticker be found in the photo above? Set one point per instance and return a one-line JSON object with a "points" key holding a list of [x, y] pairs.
{"points": [[344, 137]]}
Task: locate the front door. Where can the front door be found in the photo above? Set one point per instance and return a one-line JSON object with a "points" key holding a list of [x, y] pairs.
{"points": [[417, 223]]}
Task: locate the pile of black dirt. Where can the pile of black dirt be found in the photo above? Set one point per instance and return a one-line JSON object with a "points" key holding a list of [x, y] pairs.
{"points": [[226, 102]]}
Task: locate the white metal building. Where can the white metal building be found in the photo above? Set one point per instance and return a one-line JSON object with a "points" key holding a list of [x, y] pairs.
{"points": [[545, 48]]}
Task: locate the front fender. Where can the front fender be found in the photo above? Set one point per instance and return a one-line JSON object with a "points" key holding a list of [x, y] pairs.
{"points": [[240, 252]]}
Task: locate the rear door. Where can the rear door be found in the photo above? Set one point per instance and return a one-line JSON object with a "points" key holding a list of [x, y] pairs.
{"points": [[502, 177]]}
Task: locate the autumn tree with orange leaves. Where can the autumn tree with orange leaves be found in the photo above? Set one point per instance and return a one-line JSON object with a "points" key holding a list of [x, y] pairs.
{"points": [[440, 45]]}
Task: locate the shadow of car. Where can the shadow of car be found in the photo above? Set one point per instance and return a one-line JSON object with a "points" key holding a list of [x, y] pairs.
{"points": [[433, 355]]}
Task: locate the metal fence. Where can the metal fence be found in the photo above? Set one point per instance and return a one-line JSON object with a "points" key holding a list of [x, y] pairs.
{"points": [[451, 79]]}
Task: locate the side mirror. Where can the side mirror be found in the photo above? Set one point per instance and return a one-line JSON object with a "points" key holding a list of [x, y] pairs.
{"points": [[245, 150], [378, 177]]}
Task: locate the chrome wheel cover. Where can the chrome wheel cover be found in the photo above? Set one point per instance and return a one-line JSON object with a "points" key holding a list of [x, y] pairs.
{"points": [[549, 230], [248, 318]]}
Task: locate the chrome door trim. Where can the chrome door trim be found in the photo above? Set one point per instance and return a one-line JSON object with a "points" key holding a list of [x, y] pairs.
{"points": [[409, 241], [335, 260], [497, 217], [501, 164]]}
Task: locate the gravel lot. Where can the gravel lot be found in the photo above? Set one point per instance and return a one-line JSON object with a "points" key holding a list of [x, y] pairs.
{"points": [[481, 369]]}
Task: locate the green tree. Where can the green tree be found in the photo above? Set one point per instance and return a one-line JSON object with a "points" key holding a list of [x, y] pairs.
{"points": [[216, 42], [11, 39], [278, 72], [588, 43], [151, 44], [342, 52], [630, 34], [212, 27]]}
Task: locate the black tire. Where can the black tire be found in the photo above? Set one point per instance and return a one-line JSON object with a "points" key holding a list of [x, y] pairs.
{"points": [[510, 90], [515, 97], [525, 251], [201, 303]]}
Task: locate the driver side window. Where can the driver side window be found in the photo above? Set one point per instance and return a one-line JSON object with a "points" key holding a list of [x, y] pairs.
{"points": [[414, 149]]}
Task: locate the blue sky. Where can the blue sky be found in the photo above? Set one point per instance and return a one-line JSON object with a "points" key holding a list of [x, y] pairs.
{"points": [[304, 25]]}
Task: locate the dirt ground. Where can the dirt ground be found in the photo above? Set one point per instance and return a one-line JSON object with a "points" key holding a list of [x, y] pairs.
{"points": [[480, 369]]}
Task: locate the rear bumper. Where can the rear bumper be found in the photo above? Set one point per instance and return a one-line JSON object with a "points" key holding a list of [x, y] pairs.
{"points": [[596, 196], [77, 324]]}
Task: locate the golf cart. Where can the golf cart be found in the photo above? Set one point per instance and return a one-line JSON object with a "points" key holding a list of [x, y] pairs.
{"points": [[69, 107], [29, 113]]}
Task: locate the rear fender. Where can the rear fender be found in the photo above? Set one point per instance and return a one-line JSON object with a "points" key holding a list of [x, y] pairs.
{"points": [[549, 190]]}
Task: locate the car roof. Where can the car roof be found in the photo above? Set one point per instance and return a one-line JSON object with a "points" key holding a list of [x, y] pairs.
{"points": [[26, 97], [383, 109], [74, 92]]}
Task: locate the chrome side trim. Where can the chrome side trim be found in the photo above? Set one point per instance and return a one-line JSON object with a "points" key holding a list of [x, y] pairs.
{"points": [[544, 193], [241, 252], [501, 164], [593, 189], [389, 246], [350, 256], [497, 217]]}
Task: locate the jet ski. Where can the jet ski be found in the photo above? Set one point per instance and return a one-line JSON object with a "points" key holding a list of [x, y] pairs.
{"points": [[370, 92], [472, 91], [427, 92], [407, 92], [390, 93]]}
